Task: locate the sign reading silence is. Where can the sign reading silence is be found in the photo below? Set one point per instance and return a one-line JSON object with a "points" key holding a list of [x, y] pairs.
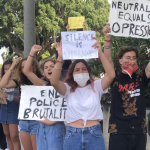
{"points": [[78, 45], [130, 18], [39, 101]]}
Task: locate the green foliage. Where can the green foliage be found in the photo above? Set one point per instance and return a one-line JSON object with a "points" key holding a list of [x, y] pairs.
{"points": [[51, 16]]}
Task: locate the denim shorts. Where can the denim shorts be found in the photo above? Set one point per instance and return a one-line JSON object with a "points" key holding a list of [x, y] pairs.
{"points": [[9, 113], [87, 138], [29, 126], [50, 137]]}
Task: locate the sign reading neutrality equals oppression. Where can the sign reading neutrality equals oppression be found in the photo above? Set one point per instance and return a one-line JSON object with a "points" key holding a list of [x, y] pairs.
{"points": [[78, 45], [39, 101], [130, 18]]}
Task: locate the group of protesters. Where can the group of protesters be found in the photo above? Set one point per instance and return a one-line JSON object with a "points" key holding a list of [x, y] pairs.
{"points": [[74, 81]]}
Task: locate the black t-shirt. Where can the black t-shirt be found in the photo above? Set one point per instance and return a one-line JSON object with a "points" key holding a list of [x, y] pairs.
{"points": [[128, 113]]}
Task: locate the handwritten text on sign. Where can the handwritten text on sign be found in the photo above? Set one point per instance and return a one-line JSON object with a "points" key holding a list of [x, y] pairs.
{"points": [[77, 45], [76, 22], [39, 101], [130, 19]]}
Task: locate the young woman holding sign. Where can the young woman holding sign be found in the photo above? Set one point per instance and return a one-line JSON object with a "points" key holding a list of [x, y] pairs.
{"points": [[9, 111], [83, 96], [27, 128], [50, 134]]}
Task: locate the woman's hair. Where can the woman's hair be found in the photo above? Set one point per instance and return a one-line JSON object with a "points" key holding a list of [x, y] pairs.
{"points": [[70, 80], [21, 78], [7, 62], [45, 61]]}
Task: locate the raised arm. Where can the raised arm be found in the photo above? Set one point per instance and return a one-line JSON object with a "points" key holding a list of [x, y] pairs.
{"points": [[5, 81], [28, 67], [55, 78], [108, 43], [109, 69]]}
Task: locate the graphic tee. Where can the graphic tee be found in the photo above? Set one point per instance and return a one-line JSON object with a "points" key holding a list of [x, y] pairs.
{"points": [[128, 113]]}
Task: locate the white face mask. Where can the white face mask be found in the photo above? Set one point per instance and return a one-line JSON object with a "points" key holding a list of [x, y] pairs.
{"points": [[81, 78]]}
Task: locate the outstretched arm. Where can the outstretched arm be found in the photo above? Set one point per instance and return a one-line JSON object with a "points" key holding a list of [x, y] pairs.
{"points": [[108, 43], [55, 78], [147, 70], [28, 67], [109, 69], [5, 81]]}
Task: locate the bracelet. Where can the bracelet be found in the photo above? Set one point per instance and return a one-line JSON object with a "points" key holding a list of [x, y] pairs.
{"points": [[31, 56], [109, 41], [107, 47], [58, 68], [58, 61]]}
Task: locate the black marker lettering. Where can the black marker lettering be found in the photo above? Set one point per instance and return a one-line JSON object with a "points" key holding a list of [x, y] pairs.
{"points": [[26, 113], [35, 112], [42, 92], [32, 100]]}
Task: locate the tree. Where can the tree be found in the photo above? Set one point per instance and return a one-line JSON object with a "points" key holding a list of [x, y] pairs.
{"points": [[51, 17]]}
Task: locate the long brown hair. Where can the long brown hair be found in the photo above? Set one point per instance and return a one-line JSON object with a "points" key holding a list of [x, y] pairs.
{"points": [[69, 78], [21, 78]]}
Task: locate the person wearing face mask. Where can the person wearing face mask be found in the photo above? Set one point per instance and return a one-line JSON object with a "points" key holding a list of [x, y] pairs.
{"points": [[83, 96], [127, 123], [50, 134]]}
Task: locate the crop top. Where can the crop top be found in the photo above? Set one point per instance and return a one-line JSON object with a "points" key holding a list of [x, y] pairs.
{"points": [[84, 103]]}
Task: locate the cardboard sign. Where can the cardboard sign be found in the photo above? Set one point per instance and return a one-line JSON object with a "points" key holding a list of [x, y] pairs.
{"points": [[39, 101], [76, 22], [78, 45], [130, 18], [2, 99]]}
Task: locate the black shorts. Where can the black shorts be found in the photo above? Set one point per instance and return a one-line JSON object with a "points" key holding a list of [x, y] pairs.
{"points": [[127, 142]]}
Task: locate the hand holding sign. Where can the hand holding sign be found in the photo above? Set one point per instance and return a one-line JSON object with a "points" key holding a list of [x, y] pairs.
{"points": [[106, 31], [97, 45], [47, 122]]}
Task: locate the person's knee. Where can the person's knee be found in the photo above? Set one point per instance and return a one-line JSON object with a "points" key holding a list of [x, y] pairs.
{"points": [[15, 138], [7, 134]]}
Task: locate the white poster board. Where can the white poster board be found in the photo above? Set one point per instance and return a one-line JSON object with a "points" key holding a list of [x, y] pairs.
{"points": [[39, 101], [78, 45], [130, 18]]}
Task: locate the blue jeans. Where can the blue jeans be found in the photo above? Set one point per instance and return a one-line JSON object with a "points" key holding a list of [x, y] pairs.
{"points": [[29, 126], [50, 137], [88, 138]]}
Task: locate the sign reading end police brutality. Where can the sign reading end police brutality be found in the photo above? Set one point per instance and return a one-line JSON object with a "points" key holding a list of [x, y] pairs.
{"points": [[39, 101], [78, 45], [130, 18]]}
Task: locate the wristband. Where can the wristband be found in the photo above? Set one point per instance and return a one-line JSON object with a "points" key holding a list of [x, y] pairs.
{"points": [[109, 41], [31, 56], [58, 61], [58, 68], [108, 47]]}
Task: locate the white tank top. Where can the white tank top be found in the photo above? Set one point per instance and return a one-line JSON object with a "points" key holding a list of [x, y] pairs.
{"points": [[84, 103]]}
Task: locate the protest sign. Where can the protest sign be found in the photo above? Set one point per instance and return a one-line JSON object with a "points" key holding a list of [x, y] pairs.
{"points": [[130, 18], [78, 45], [39, 101], [2, 99], [76, 22]]}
